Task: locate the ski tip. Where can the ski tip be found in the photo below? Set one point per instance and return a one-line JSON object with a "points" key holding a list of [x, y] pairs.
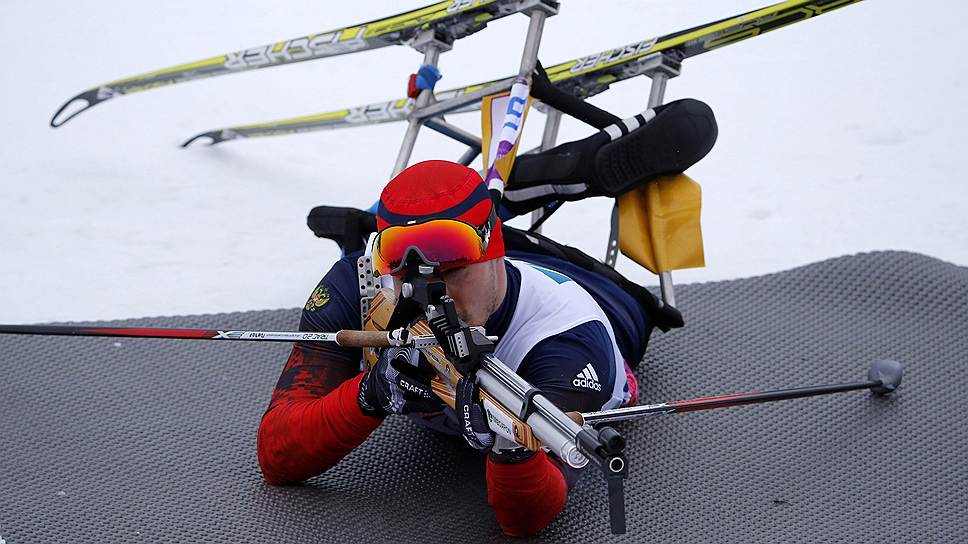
{"points": [[213, 137], [80, 103]]}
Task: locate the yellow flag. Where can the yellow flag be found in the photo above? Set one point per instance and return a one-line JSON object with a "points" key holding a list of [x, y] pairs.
{"points": [[659, 224]]}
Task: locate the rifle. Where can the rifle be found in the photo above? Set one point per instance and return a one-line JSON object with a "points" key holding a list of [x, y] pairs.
{"points": [[515, 409]]}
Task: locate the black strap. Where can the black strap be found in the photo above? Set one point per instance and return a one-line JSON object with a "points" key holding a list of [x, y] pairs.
{"points": [[616, 503], [546, 213], [544, 90]]}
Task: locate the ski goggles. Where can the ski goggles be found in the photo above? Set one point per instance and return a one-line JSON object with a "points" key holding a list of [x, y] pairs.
{"points": [[450, 242]]}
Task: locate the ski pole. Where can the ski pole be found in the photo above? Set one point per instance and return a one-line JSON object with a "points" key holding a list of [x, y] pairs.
{"points": [[344, 338], [883, 377]]}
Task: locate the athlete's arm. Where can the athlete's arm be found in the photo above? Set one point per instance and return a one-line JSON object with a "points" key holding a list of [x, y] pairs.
{"points": [[313, 419], [527, 491]]}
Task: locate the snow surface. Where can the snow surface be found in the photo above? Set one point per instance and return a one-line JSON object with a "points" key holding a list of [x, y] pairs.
{"points": [[837, 135]]}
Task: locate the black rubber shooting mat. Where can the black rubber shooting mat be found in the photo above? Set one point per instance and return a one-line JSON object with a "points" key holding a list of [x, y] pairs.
{"points": [[131, 440]]}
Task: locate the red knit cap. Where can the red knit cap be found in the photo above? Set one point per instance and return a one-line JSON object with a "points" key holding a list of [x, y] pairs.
{"points": [[439, 190]]}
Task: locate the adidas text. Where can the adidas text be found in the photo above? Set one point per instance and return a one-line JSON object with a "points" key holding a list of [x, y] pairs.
{"points": [[584, 382]]}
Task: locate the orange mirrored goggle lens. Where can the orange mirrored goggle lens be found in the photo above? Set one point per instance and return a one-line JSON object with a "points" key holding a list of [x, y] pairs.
{"points": [[440, 240]]}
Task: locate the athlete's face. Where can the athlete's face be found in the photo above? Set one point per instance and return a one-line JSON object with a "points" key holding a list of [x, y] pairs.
{"points": [[477, 289]]}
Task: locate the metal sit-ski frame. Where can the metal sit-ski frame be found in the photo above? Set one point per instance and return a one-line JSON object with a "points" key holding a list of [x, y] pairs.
{"points": [[428, 111]]}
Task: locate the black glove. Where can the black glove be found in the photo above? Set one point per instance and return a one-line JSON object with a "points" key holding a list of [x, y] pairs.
{"points": [[473, 420], [399, 383]]}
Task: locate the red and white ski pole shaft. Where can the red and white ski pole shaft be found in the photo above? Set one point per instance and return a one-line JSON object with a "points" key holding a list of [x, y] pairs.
{"points": [[883, 377], [344, 338]]}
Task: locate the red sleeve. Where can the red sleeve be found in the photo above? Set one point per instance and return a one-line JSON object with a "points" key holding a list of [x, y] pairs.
{"points": [[310, 425], [526, 496]]}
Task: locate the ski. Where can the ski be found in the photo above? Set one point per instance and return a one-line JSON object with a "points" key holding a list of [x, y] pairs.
{"points": [[584, 77], [450, 19]]}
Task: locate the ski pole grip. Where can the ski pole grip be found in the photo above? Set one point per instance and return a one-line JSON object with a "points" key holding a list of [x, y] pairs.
{"points": [[363, 339]]}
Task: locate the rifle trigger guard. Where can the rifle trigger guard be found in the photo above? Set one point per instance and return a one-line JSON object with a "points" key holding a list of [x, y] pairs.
{"points": [[528, 407]]}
